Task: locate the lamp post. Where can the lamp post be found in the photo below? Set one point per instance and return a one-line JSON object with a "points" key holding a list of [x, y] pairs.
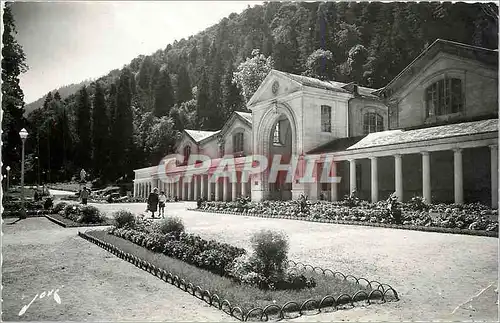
{"points": [[23, 134], [8, 176], [38, 172]]}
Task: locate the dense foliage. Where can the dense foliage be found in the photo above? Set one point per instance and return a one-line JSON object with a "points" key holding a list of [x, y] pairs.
{"points": [[13, 64], [197, 82], [86, 214]]}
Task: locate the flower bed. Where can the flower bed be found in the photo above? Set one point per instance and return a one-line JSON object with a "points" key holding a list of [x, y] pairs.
{"points": [[334, 290], [458, 218], [77, 215], [12, 207]]}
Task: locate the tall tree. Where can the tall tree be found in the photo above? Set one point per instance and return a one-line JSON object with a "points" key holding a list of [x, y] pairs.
{"points": [[163, 95], [122, 133], [232, 100], [202, 102], [83, 128], [183, 85], [321, 65], [100, 132], [13, 64]]}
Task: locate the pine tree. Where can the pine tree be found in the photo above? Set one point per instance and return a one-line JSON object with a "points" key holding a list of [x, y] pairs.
{"points": [[100, 131], [232, 100], [122, 150], [13, 64], [183, 85], [83, 128], [202, 102], [163, 95]]}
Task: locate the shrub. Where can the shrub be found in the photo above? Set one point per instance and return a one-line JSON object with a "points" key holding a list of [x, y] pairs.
{"points": [[60, 207], [71, 211], [48, 204], [123, 219], [90, 214], [417, 203], [172, 225], [271, 251]]}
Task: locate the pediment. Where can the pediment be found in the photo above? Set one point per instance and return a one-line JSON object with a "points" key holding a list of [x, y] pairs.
{"points": [[276, 84]]}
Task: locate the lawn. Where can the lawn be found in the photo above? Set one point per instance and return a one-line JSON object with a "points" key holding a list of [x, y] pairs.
{"points": [[244, 296]]}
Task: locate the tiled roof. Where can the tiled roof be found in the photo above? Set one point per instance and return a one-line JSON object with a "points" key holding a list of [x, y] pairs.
{"points": [[245, 115], [406, 136], [199, 135], [338, 144], [326, 85]]}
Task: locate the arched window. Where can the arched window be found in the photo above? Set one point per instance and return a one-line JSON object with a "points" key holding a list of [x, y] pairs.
{"points": [[238, 145], [187, 153], [372, 122], [444, 97], [277, 134]]}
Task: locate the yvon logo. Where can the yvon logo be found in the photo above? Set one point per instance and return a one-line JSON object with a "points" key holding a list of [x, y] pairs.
{"points": [[53, 293]]}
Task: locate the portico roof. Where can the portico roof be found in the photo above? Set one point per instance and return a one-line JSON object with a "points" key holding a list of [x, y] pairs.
{"points": [[199, 135], [391, 137]]}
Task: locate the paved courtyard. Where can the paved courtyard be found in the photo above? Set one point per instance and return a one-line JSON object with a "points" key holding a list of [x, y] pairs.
{"points": [[440, 277]]}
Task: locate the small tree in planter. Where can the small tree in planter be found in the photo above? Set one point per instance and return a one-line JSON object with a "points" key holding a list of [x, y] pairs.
{"points": [[267, 267]]}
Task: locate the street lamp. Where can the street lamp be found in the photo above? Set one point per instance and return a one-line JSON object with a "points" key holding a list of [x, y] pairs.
{"points": [[23, 134], [8, 176], [38, 172]]}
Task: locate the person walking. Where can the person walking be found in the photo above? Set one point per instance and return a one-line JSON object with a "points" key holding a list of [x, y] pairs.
{"points": [[162, 199], [153, 202], [84, 195]]}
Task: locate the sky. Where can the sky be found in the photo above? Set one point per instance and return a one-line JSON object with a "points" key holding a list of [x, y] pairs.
{"points": [[68, 42]]}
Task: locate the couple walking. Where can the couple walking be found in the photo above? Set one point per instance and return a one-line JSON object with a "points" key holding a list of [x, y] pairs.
{"points": [[156, 201]]}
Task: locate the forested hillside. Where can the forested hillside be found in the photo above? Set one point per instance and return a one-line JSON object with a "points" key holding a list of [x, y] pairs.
{"points": [[64, 92], [131, 117]]}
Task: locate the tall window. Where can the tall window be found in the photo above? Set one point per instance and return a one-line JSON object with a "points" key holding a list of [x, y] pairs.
{"points": [[444, 97], [277, 134], [238, 142], [326, 118], [187, 153], [372, 122]]}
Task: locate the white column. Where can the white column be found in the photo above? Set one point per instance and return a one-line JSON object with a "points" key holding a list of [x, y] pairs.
{"points": [[426, 177], [352, 175], [335, 186], [244, 186], [196, 187], [494, 175], [398, 175], [458, 176], [190, 189], [234, 190], [225, 189], [209, 189], [218, 196], [374, 181]]}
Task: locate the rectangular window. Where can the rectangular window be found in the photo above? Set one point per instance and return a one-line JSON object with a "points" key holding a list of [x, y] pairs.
{"points": [[444, 97], [326, 118], [238, 142]]}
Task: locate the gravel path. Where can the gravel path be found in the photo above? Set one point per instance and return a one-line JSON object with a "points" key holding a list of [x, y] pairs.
{"points": [[93, 284], [440, 277]]}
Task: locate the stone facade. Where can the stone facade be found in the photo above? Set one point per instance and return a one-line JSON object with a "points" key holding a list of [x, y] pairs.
{"points": [[393, 139]]}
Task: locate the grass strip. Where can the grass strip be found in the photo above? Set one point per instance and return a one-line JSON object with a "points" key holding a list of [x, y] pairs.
{"points": [[245, 296], [67, 223]]}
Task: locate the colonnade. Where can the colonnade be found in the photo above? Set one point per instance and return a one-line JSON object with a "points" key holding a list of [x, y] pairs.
{"points": [[190, 188], [426, 177]]}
